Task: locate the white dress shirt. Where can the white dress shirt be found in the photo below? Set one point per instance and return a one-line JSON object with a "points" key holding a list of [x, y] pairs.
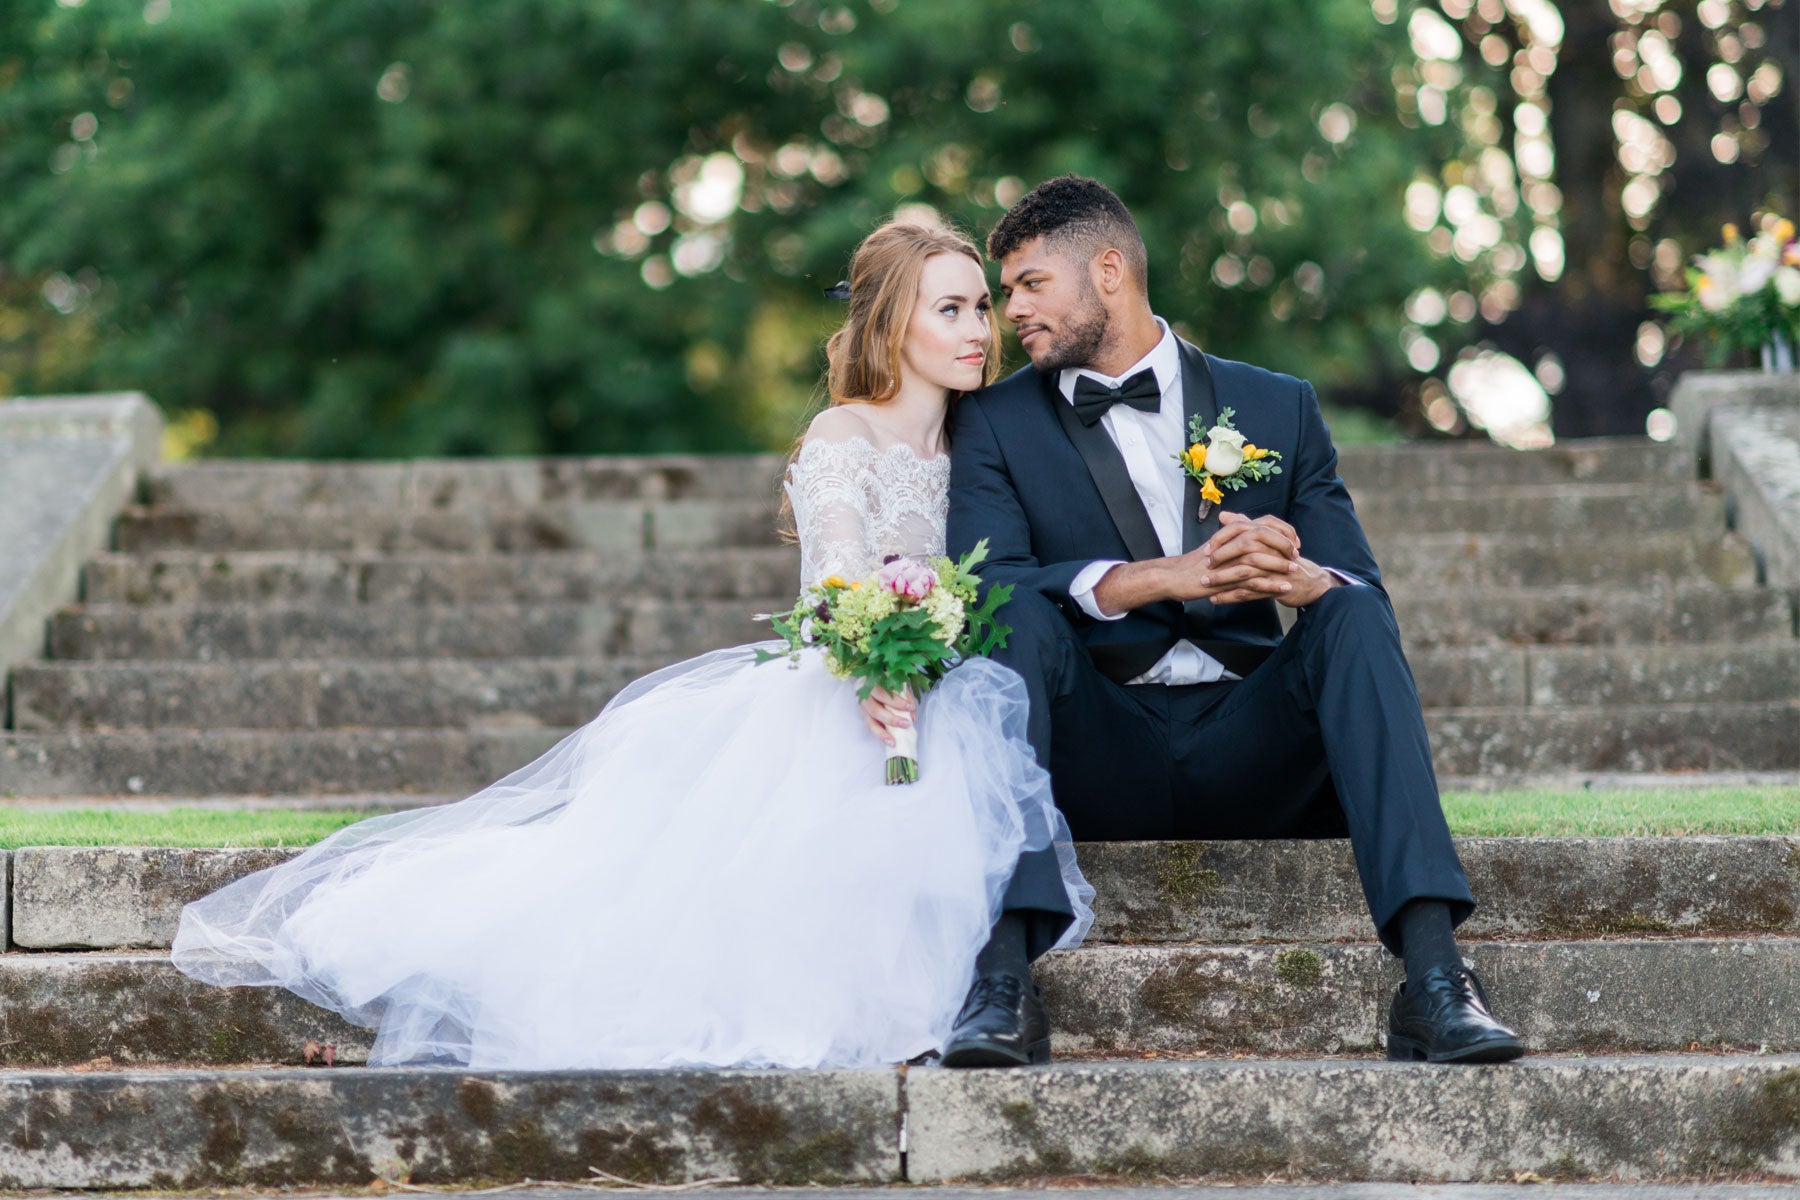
{"points": [[1149, 442]]}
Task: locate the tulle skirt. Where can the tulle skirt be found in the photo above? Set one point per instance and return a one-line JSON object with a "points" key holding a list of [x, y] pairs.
{"points": [[710, 873]]}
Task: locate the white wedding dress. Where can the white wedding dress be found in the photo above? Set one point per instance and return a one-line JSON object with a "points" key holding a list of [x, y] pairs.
{"points": [[711, 872]]}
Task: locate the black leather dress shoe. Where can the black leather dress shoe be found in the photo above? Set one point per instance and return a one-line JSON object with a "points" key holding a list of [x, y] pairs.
{"points": [[1447, 1021], [1002, 1024]]}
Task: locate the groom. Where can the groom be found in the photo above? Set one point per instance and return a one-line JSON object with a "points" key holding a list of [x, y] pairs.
{"points": [[1165, 701]]}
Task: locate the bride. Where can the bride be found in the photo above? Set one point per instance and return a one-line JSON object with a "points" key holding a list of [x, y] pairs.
{"points": [[711, 872]]}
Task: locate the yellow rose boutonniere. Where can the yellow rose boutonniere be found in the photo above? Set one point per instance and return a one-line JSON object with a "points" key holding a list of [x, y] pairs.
{"points": [[1219, 458]]}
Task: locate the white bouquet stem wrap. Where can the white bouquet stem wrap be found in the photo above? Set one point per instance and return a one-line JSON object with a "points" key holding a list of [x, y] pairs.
{"points": [[903, 756]]}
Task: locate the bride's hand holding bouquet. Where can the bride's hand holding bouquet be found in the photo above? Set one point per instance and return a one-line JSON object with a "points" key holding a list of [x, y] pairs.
{"points": [[900, 630]]}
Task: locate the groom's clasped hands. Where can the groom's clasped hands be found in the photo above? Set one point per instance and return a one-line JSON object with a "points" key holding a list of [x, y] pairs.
{"points": [[1248, 558]]}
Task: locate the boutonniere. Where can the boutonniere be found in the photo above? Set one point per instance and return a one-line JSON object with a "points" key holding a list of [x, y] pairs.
{"points": [[1219, 458]]}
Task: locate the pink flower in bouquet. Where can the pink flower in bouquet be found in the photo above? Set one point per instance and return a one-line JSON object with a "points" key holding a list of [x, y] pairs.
{"points": [[903, 577]]}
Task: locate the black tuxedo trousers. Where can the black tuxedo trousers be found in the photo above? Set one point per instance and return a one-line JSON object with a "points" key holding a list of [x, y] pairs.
{"points": [[1324, 739]]}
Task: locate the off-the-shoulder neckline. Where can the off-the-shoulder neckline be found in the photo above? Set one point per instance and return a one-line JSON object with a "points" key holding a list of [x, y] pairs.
{"points": [[933, 461]]}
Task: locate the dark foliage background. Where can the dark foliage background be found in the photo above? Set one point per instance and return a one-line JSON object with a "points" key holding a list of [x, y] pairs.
{"points": [[378, 227]]}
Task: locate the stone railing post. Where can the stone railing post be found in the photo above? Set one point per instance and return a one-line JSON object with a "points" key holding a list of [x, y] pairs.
{"points": [[68, 464]]}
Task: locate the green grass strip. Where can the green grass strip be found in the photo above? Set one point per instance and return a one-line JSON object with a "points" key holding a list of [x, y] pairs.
{"points": [[172, 827], [1627, 811], [1647, 811]]}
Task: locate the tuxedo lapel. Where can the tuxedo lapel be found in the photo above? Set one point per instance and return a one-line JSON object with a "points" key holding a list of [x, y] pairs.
{"points": [[1197, 400], [1107, 467]]}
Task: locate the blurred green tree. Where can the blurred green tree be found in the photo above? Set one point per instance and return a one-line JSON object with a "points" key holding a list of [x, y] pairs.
{"points": [[377, 227]]}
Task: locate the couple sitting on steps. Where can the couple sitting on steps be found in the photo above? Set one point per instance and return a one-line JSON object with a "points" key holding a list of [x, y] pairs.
{"points": [[711, 872]]}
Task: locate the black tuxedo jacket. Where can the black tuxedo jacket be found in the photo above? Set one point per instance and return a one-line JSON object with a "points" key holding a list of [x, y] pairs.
{"points": [[1052, 496]]}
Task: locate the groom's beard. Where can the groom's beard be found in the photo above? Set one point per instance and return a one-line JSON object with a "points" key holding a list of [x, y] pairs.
{"points": [[1078, 343]]}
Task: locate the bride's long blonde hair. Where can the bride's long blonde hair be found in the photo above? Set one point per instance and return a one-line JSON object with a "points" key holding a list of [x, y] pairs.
{"points": [[862, 359]]}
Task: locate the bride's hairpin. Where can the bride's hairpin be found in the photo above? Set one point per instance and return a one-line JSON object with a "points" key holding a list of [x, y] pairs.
{"points": [[839, 290]]}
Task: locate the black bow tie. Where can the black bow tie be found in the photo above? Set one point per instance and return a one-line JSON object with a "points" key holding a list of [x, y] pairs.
{"points": [[1093, 398]]}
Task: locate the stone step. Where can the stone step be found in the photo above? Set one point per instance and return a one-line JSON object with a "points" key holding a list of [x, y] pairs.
{"points": [[1617, 509], [427, 484], [1675, 737], [1589, 1117], [276, 1128], [1599, 616], [601, 526], [452, 483], [116, 897], [666, 629], [1488, 743], [644, 627], [292, 763], [1673, 1117], [1562, 558], [1608, 997], [623, 526], [465, 693], [1431, 614], [1475, 464], [301, 577]]}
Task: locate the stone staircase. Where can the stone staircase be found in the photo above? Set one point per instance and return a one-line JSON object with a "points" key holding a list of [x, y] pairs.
{"points": [[392, 634]]}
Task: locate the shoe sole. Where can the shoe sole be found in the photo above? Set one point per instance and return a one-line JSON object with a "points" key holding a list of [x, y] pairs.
{"points": [[1496, 1050], [990, 1054]]}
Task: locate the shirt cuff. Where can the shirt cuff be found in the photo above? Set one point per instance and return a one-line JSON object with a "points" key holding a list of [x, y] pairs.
{"points": [[1081, 589], [1345, 578]]}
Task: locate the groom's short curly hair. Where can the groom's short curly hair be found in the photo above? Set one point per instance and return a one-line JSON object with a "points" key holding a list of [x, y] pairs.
{"points": [[1077, 216]]}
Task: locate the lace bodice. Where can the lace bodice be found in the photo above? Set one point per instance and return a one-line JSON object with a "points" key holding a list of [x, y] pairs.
{"points": [[856, 503]]}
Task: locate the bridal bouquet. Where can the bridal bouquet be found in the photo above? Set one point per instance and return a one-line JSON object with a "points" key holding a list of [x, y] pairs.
{"points": [[902, 628], [1744, 295]]}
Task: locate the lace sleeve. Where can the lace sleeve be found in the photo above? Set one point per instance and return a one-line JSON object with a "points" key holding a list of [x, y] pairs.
{"points": [[828, 484]]}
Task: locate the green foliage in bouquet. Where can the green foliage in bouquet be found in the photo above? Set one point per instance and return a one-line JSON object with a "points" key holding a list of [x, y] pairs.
{"points": [[901, 628], [1742, 295]]}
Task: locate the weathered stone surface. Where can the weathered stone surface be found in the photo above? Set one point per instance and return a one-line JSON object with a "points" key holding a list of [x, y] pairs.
{"points": [[1148, 892], [1755, 455], [346, 693], [455, 693], [1686, 737], [1688, 614], [1631, 1118], [1618, 508], [1251, 999], [672, 626], [1767, 670], [118, 897], [1295, 999], [623, 526], [606, 526], [64, 1009], [292, 1127], [1436, 464], [67, 464], [463, 483], [1474, 744], [304, 577], [1643, 995], [1526, 887], [638, 627], [233, 763], [1563, 557]]}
